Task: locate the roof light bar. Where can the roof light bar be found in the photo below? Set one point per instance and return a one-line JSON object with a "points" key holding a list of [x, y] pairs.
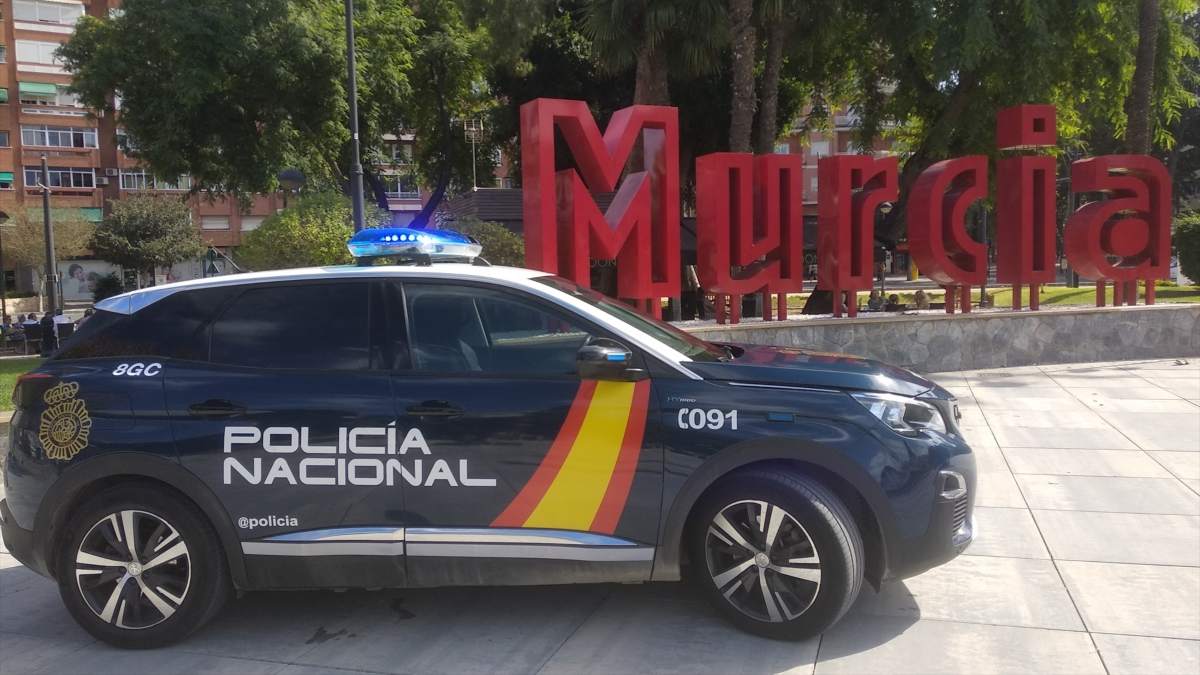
{"points": [[408, 244]]}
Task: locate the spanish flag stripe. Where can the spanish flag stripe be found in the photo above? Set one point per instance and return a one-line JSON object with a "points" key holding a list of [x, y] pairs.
{"points": [[613, 504], [527, 499], [575, 494]]}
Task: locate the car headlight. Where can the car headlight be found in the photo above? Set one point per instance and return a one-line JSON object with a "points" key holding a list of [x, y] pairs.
{"points": [[903, 414]]}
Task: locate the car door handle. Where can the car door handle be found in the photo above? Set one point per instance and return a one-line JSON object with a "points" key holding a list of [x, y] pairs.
{"points": [[435, 409], [216, 408]]}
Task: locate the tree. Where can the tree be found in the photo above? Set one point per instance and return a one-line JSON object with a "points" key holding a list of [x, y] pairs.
{"points": [[1138, 104], [742, 52], [25, 241], [107, 286], [1187, 244], [311, 232], [501, 246], [144, 232]]}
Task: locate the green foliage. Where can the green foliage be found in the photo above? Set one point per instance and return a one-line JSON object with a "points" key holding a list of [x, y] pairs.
{"points": [[311, 232], [107, 286], [501, 246], [25, 241], [146, 231], [1187, 244]]}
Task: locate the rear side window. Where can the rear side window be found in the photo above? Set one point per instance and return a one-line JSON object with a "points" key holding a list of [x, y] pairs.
{"points": [[312, 326], [175, 327]]}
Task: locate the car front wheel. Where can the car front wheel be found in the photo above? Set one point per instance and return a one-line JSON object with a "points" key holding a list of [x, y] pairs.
{"points": [[778, 553], [141, 568]]}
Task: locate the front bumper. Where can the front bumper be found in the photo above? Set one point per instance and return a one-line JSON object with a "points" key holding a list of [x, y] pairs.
{"points": [[19, 542], [951, 524]]}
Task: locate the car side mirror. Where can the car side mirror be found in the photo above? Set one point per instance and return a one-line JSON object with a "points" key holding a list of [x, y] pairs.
{"points": [[606, 359]]}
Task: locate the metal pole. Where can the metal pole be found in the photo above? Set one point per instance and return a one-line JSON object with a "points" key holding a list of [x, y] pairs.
{"points": [[51, 266], [356, 170], [474, 169], [3, 281]]}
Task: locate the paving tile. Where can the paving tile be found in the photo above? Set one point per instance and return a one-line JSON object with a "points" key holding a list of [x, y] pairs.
{"points": [[1121, 537], [1076, 462], [1185, 465], [26, 654], [1060, 437], [454, 630], [978, 589], [994, 484], [1186, 388], [1022, 398], [669, 629], [101, 659], [30, 605], [1104, 404], [1190, 372], [1007, 533], [864, 644], [1132, 655], [1149, 600], [1105, 493], [1045, 419], [1146, 392], [1159, 431]]}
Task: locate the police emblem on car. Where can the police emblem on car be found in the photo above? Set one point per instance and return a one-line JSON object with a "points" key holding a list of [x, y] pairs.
{"points": [[462, 424]]}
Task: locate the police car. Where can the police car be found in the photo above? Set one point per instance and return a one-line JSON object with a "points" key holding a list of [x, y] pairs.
{"points": [[455, 423]]}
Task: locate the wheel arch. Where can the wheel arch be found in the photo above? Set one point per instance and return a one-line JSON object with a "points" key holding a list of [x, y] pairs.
{"points": [[848, 481], [82, 481]]}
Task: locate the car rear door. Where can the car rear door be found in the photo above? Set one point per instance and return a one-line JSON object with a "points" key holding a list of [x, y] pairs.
{"points": [[524, 472], [287, 421]]}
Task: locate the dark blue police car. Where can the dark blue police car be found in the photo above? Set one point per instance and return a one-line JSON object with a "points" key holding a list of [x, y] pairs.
{"points": [[460, 424]]}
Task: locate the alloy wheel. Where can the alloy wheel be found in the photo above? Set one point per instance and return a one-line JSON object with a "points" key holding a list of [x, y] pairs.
{"points": [[133, 569], [763, 561]]}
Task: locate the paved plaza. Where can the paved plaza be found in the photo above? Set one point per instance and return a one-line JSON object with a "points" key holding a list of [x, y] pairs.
{"points": [[1087, 561]]}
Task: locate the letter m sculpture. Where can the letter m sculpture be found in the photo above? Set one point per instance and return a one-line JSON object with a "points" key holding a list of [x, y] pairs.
{"points": [[565, 229]]}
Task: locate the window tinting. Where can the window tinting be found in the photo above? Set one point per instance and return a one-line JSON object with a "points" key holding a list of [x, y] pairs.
{"points": [[464, 329], [175, 327], [314, 326]]}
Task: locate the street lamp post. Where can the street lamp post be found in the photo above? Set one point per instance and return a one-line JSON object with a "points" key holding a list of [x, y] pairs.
{"points": [[3, 276], [356, 170], [51, 266]]}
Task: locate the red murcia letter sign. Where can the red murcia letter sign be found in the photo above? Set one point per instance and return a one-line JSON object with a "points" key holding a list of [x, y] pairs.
{"points": [[852, 188], [1025, 218], [749, 229], [937, 233], [1132, 226], [565, 230]]}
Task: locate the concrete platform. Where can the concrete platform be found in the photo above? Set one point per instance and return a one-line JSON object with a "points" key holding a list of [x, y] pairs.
{"points": [[1087, 562]]}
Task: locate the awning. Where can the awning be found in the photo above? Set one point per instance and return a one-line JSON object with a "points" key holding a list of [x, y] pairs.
{"points": [[3, 94], [90, 214], [6, 176], [41, 88]]}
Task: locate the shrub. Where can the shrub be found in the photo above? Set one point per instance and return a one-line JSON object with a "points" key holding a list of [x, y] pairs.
{"points": [[501, 246], [107, 286], [1187, 244]]}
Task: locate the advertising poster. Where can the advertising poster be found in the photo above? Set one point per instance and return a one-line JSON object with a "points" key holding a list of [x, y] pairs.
{"points": [[79, 277]]}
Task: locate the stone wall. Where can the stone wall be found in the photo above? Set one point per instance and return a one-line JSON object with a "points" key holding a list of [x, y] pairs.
{"points": [[940, 342]]}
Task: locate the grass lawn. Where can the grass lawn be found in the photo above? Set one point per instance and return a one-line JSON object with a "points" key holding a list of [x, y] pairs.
{"points": [[10, 369]]}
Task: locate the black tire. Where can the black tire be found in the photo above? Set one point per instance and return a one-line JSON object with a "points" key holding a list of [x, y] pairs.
{"points": [[160, 605], [803, 607]]}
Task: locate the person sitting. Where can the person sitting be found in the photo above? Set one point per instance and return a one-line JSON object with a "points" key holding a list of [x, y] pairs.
{"points": [[30, 320], [875, 301], [87, 314], [922, 299], [893, 304]]}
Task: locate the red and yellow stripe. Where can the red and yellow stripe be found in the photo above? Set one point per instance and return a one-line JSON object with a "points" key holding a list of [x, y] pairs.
{"points": [[584, 480]]}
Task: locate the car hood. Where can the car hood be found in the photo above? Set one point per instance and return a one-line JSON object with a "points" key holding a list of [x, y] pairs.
{"points": [[789, 366]]}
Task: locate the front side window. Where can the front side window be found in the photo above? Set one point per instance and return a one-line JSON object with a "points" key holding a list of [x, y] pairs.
{"points": [[464, 329], [311, 326]]}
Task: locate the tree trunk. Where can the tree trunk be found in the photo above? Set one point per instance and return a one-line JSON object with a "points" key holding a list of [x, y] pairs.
{"points": [[741, 118], [769, 96], [1138, 113], [650, 86]]}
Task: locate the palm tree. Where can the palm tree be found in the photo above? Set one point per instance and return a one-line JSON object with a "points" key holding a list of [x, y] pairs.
{"points": [[1138, 104], [743, 45]]}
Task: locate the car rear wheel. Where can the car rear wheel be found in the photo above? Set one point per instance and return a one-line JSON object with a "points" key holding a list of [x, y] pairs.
{"points": [[141, 568], [778, 554]]}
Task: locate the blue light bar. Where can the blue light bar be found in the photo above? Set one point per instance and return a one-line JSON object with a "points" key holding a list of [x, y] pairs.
{"points": [[404, 242]]}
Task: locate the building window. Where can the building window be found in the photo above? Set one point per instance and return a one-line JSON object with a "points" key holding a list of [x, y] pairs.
{"points": [[47, 12], [400, 187], [178, 185], [59, 137], [782, 148], [62, 177], [251, 223], [6, 180], [35, 51], [401, 152], [214, 222], [135, 179], [4, 140], [3, 54], [819, 149]]}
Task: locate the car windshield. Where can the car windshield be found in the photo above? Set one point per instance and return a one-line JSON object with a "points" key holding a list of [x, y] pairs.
{"points": [[681, 341]]}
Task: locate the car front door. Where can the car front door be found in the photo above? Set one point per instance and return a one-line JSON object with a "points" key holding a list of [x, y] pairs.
{"points": [[287, 421], [524, 472]]}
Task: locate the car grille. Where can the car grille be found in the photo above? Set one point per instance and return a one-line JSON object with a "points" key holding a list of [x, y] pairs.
{"points": [[960, 514]]}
